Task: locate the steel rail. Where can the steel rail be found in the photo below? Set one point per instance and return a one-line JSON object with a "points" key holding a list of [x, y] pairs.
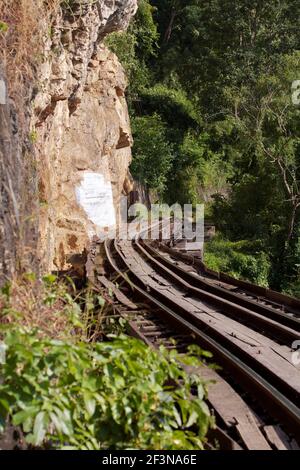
{"points": [[279, 382], [269, 312], [261, 293], [273, 400], [283, 333]]}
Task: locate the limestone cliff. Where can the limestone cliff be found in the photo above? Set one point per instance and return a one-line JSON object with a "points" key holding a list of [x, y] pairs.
{"points": [[80, 127]]}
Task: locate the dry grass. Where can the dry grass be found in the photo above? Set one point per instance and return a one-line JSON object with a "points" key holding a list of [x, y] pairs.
{"points": [[57, 309], [36, 304], [24, 24], [20, 45]]}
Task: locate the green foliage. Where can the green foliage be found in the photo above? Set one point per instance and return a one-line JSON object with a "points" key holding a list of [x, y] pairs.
{"points": [[252, 209], [267, 122], [124, 45], [145, 30], [3, 27], [135, 46], [182, 186], [173, 105], [242, 259], [218, 42], [152, 152], [113, 395], [198, 171], [293, 288]]}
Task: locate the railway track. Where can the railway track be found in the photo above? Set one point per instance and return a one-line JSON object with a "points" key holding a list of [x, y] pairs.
{"points": [[256, 396], [272, 322], [261, 300]]}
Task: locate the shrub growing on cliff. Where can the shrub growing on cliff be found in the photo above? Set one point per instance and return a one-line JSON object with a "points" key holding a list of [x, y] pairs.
{"points": [[134, 47], [113, 395]]}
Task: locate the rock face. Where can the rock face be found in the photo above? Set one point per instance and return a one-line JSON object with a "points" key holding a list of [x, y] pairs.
{"points": [[9, 153], [18, 187], [81, 128]]}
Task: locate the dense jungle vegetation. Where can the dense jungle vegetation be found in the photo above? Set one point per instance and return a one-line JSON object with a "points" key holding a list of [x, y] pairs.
{"points": [[210, 95]]}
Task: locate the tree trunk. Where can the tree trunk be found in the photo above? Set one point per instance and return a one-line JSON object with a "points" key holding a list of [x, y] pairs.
{"points": [[291, 223], [170, 26]]}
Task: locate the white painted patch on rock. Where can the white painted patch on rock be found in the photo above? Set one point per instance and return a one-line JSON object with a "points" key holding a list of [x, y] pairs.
{"points": [[96, 198]]}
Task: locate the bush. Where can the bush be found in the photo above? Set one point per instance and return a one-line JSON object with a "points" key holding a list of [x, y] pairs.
{"points": [[65, 390], [173, 104], [292, 288], [243, 259], [113, 395]]}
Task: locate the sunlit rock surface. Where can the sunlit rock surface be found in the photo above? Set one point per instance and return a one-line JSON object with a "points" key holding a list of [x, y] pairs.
{"points": [[82, 125]]}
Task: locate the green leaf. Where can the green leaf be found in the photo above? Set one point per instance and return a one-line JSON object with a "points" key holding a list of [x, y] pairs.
{"points": [[49, 279], [192, 419], [30, 277], [4, 405], [177, 416], [6, 289], [101, 301], [39, 428], [23, 415], [3, 27], [115, 394], [90, 403], [62, 421]]}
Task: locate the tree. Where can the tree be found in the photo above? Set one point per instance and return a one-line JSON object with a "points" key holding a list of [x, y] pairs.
{"points": [[218, 43], [152, 153], [267, 117]]}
